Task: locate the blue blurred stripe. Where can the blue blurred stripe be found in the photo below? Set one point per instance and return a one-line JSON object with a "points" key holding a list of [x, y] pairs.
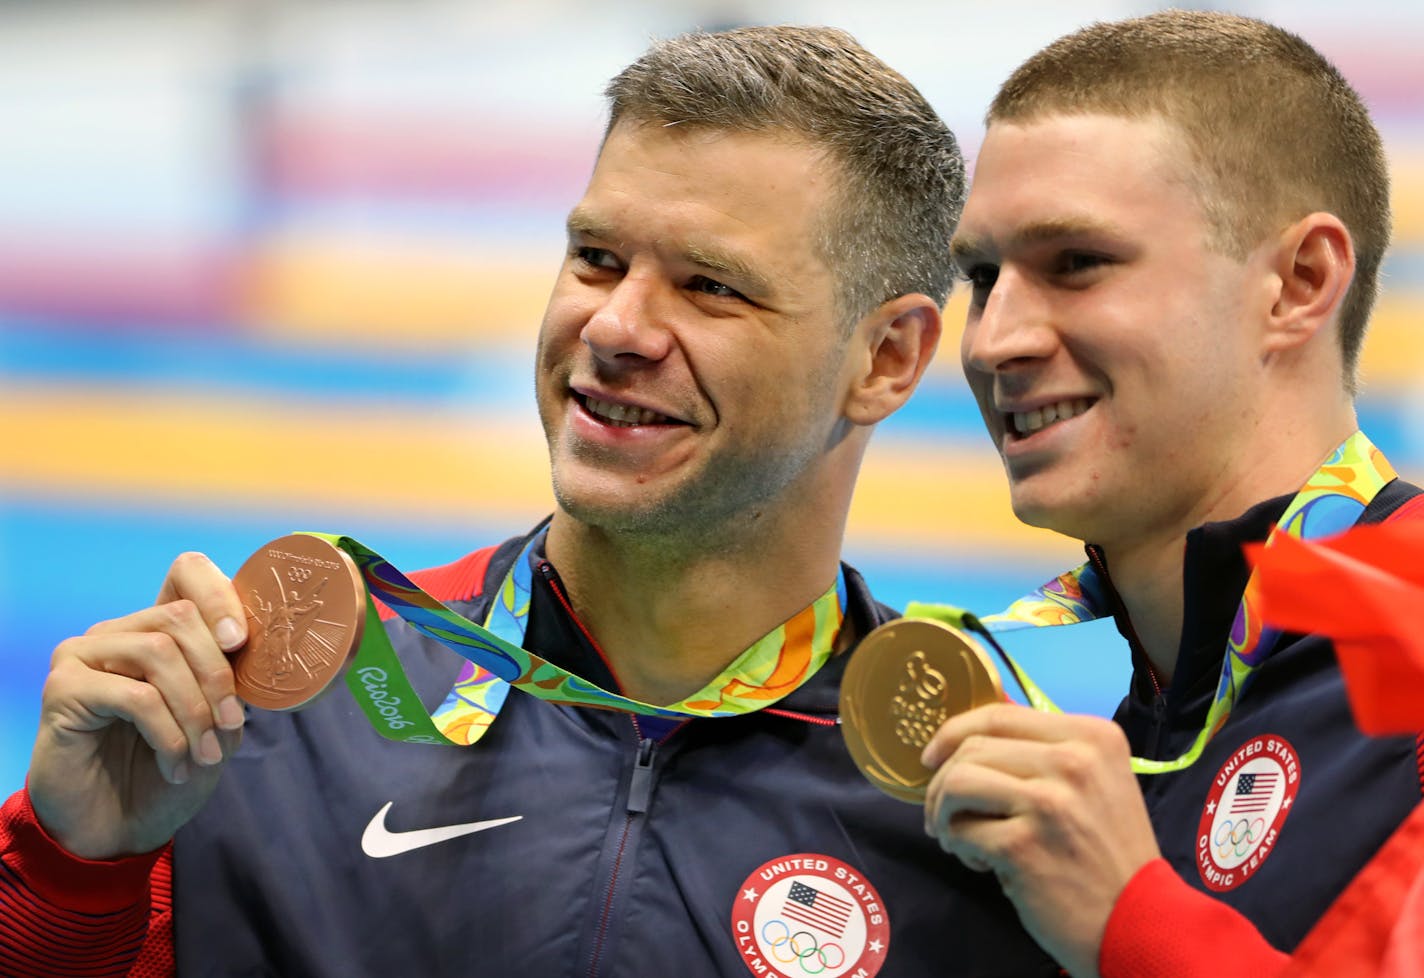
{"points": [[223, 361]]}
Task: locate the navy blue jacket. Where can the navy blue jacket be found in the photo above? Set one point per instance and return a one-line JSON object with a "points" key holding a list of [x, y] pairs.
{"points": [[631, 856], [1288, 861]]}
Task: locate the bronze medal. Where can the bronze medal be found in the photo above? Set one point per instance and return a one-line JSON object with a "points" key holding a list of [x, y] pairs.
{"points": [[905, 679], [305, 606]]}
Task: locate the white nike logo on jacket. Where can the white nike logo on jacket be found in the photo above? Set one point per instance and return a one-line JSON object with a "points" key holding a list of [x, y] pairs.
{"points": [[378, 842]]}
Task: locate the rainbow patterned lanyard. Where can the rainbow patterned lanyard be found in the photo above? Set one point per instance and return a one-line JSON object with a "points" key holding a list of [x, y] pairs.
{"points": [[774, 666], [1330, 502]]}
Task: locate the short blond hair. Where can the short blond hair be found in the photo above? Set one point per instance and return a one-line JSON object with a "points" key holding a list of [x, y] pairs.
{"points": [[1274, 130]]}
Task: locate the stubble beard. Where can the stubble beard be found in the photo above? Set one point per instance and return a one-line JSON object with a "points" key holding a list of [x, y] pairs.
{"points": [[712, 512]]}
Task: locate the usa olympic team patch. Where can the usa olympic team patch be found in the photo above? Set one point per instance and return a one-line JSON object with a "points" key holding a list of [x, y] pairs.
{"points": [[1245, 808], [809, 914]]}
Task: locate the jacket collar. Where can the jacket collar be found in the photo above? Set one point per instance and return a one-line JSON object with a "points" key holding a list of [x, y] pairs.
{"points": [[559, 637], [1214, 575]]}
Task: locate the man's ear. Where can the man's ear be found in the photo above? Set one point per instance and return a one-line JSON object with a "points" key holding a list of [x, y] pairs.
{"points": [[1314, 263], [892, 347]]}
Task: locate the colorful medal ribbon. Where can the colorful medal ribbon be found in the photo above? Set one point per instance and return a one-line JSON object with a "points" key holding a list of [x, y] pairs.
{"points": [[1330, 502], [772, 667]]}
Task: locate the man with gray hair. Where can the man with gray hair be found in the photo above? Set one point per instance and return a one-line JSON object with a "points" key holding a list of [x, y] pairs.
{"points": [[1173, 240], [753, 280]]}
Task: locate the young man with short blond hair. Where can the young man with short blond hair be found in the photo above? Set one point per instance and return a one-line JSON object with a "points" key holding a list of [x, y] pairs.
{"points": [[1173, 239]]}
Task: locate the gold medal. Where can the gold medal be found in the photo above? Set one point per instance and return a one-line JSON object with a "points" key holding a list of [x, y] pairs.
{"points": [[905, 679]]}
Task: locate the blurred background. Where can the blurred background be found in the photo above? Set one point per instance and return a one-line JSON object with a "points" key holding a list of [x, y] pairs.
{"points": [[275, 266]]}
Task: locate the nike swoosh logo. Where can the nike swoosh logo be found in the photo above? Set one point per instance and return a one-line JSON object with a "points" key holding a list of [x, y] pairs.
{"points": [[378, 842]]}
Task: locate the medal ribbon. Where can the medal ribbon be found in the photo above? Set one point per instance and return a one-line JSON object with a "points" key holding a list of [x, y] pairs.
{"points": [[1330, 502], [775, 665]]}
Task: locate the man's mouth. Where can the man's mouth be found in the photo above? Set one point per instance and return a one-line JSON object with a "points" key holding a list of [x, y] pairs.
{"points": [[1024, 423], [622, 415]]}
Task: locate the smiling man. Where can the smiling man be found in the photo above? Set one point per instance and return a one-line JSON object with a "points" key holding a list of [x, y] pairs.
{"points": [[1173, 239], [752, 282], [700, 393]]}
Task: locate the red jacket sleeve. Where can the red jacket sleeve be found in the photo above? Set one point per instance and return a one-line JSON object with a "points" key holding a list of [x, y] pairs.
{"points": [[1161, 927], [1404, 955], [1376, 928], [62, 915]]}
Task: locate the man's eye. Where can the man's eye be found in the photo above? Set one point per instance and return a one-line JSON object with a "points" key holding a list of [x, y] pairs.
{"points": [[1072, 262], [595, 257], [707, 286], [981, 279]]}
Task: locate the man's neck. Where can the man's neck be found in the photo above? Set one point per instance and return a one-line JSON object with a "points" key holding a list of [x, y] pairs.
{"points": [[671, 618], [1148, 579], [1147, 569]]}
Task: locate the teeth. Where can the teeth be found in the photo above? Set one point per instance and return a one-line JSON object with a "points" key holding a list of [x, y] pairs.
{"points": [[622, 415], [1027, 422]]}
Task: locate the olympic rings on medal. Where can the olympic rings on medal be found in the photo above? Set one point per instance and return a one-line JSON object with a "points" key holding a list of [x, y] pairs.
{"points": [[1236, 838], [801, 945]]}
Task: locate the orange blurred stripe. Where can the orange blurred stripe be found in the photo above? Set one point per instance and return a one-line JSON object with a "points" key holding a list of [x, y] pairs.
{"points": [[93, 444]]}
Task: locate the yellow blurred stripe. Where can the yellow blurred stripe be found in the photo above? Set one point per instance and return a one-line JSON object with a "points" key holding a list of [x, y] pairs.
{"points": [[216, 452], [83, 443], [344, 292], [1393, 358], [948, 499], [417, 297], [1406, 196]]}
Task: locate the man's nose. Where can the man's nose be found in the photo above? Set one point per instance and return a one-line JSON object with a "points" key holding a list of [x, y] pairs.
{"points": [[1013, 327], [631, 322]]}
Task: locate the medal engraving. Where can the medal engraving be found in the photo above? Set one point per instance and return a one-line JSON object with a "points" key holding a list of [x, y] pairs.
{"points": [[904, 680], [305, 607], [920, 703]]}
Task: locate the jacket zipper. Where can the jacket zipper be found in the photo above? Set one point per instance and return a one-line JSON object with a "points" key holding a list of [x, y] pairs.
{"points": [[640, 784], [547, 569], [640, 794]]}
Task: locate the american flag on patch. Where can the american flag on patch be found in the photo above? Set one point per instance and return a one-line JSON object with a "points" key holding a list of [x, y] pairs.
{"points": [[1253, 792], [808, 905]]}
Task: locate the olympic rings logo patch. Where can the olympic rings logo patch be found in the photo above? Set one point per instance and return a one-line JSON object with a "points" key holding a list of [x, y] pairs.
{"points": [[1248, 803], [810, 916], [801, 947], [1236, 838]]}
